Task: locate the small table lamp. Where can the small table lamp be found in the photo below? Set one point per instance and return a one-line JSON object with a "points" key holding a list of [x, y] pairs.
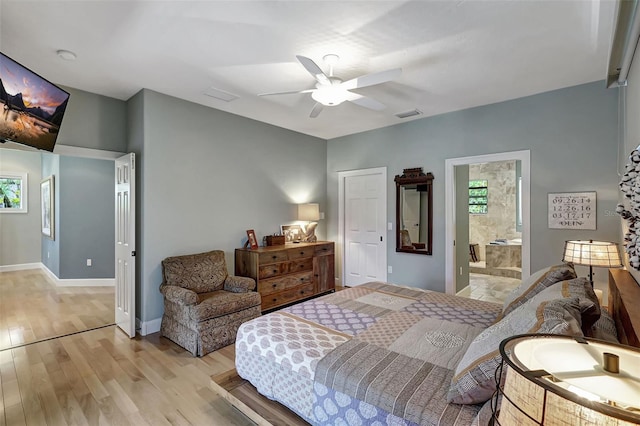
{"points": [[592, 253], [561, 380], [309, 213]]}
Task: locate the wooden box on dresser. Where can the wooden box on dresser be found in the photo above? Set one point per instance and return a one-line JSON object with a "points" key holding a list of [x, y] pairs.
{"points": [[288, 273]]}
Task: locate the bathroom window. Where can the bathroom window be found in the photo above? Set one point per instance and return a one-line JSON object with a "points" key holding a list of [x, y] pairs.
{"points": [[478, 196]]}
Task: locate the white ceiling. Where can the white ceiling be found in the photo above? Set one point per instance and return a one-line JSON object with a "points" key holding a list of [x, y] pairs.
{"points": [[454, 54]]}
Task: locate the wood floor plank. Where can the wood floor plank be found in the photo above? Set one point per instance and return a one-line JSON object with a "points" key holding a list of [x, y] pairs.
{"points": [[33, 308], [100, 376]]}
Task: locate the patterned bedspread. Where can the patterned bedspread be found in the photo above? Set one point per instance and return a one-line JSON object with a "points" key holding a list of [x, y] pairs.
{"points": [[376, 353]]}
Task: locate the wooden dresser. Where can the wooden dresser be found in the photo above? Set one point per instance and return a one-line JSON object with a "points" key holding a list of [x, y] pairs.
{"points": [[290, 272]]}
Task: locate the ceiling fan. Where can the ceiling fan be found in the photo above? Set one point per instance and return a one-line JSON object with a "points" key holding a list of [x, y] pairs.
{"points": [[331, 90]]}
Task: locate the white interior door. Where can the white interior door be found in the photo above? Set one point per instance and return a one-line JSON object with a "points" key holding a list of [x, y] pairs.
{"points": [[363, 217], [125, 181]]}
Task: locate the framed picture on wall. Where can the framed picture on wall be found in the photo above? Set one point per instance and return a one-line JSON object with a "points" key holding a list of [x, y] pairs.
{"points": [[572, 210], [47, 205]]}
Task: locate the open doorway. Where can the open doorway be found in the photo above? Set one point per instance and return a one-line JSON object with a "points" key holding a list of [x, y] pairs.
{"points": [[63, 285], [492, 248]]}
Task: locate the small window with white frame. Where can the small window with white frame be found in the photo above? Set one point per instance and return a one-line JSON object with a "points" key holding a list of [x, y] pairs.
{"points": [[13, 192]]}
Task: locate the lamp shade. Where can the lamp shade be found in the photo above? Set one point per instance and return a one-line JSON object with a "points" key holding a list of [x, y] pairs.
{"points": [[592, 253], [309, 212], [561, 380]]}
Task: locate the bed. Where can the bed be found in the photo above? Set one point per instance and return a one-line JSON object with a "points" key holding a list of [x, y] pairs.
{"points": [[386, 354]]}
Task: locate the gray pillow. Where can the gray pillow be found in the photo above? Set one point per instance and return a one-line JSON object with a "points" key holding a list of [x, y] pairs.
{"points": [[474, 378], [604, 328], [533, 285]]}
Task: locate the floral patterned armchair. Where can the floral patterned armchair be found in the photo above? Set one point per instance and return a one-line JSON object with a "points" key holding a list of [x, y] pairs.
{"points": [[203, 304]]}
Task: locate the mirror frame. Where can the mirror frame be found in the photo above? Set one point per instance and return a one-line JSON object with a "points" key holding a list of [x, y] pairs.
{"points": [[410, 177]]}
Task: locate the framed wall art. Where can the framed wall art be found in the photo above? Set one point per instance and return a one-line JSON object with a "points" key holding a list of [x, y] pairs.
{"points": [[47, 206], [572, 210]]}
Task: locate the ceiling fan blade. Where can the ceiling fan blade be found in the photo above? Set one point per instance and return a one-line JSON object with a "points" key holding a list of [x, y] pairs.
{"points": [[314, 69], [366, 102], [317, 109], [287, 93], [372, 79]]}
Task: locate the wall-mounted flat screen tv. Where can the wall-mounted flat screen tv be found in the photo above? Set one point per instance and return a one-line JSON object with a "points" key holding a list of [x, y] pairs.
{"points": [[31, 107]]}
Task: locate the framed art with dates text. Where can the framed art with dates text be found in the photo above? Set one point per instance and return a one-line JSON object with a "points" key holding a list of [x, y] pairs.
{"points": [[572, 210]]}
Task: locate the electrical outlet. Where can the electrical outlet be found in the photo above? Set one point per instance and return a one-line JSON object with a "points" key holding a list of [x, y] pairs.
{"points": [[48, 255], [88, 262], [390, 269], [390, 226]]}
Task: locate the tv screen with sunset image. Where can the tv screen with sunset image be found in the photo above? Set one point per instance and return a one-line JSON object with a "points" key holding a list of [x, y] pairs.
{"points": [[31, 107]]}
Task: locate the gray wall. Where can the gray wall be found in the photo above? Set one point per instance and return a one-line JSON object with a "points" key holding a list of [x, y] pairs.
{"points": [[20, 232], [135, 136], [51, 248], [94, 121], [208, 176], [569, 132], [86, 189]]}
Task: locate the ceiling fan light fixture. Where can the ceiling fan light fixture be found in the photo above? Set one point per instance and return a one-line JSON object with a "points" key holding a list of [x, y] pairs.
{"points": [[329, 95]]}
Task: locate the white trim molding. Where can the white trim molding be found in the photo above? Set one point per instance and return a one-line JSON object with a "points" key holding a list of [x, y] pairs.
{"points": [[148, 327], [450, 208], [77, 151], [20, 267], [78, 282]]}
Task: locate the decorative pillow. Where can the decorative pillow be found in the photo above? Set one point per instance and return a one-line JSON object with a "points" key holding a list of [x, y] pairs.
{"points": [[474, 379], [536, 282], [604, 328], [580, 288]]}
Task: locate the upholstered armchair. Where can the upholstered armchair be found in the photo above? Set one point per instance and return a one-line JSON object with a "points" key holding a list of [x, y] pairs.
{"points": [[203, 304]]}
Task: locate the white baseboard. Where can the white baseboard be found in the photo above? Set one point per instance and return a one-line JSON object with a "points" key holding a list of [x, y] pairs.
{"points": [[458, 293], [148, 327], [21, 267], [79, 282]]}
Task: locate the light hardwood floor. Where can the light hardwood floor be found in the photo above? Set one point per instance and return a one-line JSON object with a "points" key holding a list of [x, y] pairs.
{"points": [[102, 377], [32, 308]]}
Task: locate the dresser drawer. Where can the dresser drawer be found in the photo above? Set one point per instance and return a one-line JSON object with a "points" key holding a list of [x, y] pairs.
{"points": [[276, 269], [301, 252], [322, 249], [272, 285], [272, 257], [276, 299]]}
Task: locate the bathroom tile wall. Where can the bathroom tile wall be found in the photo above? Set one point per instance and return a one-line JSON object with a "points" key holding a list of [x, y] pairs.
{"points": [[500, 220]]}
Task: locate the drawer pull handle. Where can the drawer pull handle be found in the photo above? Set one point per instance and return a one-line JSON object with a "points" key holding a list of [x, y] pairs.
{"points": [[274, 257], [302, 292], [275, 300], [275, 285], [301, 253], [275, 271], [301, 279], [325, 249]]}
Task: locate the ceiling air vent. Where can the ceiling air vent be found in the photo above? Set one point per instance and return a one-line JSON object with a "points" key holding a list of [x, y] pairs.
{"points": [[220, 94], [408, 114]]}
